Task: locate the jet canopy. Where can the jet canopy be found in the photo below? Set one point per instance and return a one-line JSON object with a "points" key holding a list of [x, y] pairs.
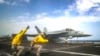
{"points": [[69, 29]]}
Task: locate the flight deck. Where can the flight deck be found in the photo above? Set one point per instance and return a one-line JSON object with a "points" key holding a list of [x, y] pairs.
{"points": [[59, 50]]}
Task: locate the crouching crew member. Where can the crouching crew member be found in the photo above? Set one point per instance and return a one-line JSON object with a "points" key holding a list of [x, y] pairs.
{"points": [[38, 42], [16, 44]]}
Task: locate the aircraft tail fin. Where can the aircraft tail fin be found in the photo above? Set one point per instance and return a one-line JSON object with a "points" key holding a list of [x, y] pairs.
{"points": [[38, 30], [45, 30]]}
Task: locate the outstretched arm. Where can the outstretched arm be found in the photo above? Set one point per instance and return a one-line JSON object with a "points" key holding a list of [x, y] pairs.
{"points": [[24, 30]]}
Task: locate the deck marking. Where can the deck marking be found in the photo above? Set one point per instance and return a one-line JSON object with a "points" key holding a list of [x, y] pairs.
{"points": [[67, 52], [4, 53], [75, 53]]}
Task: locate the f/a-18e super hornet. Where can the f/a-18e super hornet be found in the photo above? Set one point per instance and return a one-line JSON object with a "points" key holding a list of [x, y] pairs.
{"points": [[67, 33]]}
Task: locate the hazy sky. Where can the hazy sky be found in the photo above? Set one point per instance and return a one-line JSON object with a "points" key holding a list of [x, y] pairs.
{"points": [[81, 15]]}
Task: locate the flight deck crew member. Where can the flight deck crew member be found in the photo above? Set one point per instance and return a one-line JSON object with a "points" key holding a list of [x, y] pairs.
{"points": [[37, 43], [17, 41]]}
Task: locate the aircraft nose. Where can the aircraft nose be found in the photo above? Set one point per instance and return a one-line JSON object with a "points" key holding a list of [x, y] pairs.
{"points": [[82, 34], [89, 35], [86, 34]]}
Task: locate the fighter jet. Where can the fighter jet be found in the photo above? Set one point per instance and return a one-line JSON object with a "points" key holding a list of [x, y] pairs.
{"points": [[67, 33]]}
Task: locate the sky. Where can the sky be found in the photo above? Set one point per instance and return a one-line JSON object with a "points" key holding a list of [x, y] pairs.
{"points": [[80, 15]]}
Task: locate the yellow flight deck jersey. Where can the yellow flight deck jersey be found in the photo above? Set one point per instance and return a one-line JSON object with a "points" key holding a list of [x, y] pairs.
{"points": [[39, 40], [17, 40]]}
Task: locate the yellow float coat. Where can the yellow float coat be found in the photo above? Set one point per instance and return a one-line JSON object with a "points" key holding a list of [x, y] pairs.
{"points": [[39, 40], [17, 40]]}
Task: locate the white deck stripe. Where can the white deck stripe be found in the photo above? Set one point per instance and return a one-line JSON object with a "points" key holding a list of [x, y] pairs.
{"points": [[66, 52], [75, 53], [5, 53]]}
